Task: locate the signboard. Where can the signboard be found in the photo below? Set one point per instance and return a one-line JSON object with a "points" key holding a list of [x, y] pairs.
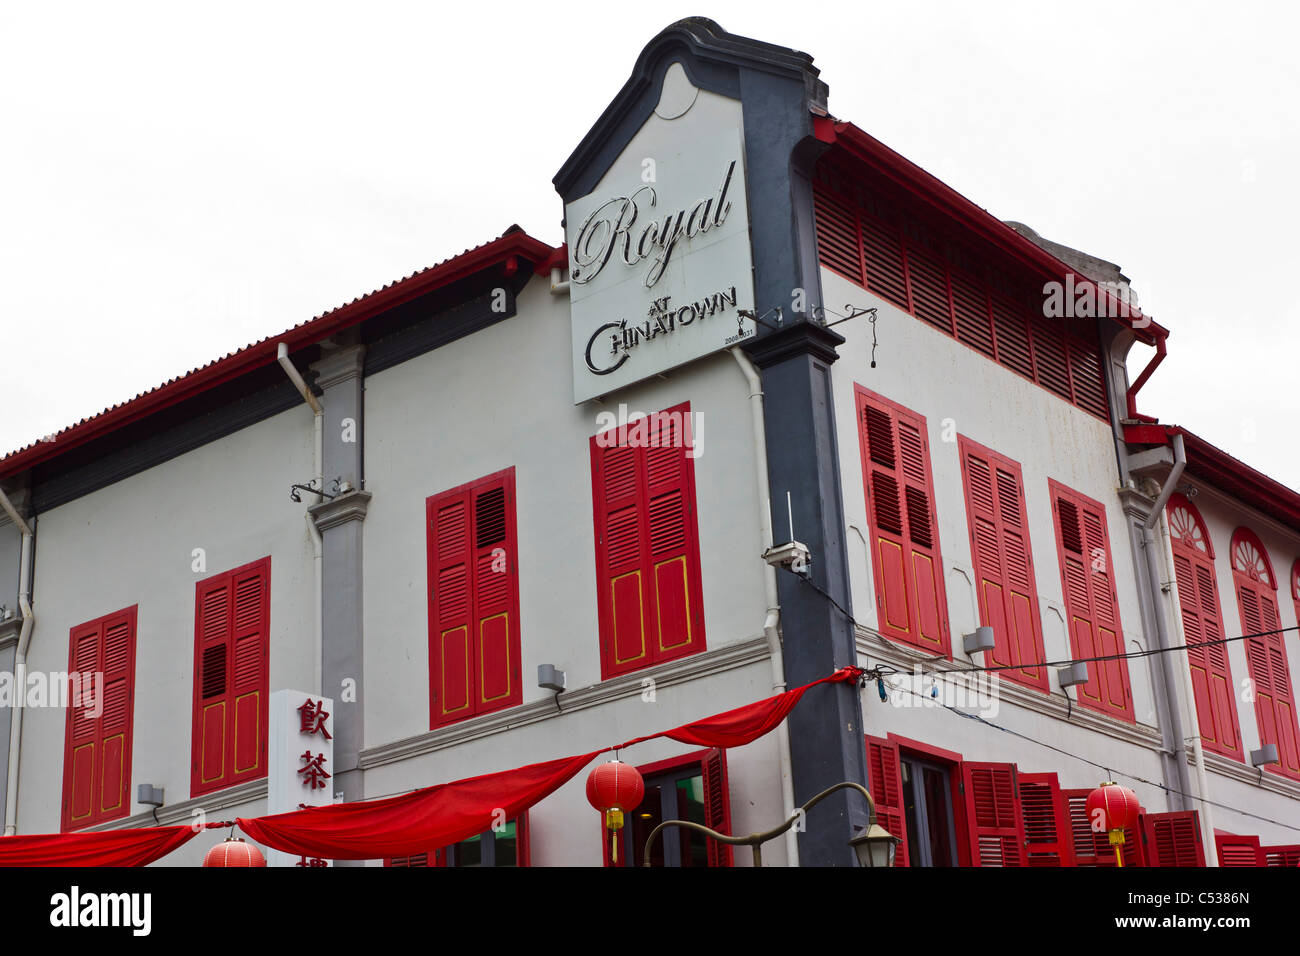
{"points": [[660, 263], [301, 757]]}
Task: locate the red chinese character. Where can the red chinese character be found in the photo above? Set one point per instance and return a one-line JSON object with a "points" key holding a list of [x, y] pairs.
{"points": [[315, 775], [314, 715], [313, 862]]}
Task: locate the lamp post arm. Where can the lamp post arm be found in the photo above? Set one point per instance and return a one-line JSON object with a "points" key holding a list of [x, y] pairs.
{"points": [[757, 839]]}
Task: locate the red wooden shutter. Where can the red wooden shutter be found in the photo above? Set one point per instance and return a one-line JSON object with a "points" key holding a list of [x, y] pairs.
{"points": [[904, 527], [717, 805], [523, 849], [1287, 855], [1216, 705], [1235, 850], [231, 686], [474, 657], [1172, 839], [1004, 569], [1266, 657], [1092, 848], [647, 544], [1087, 578], [97, 749], [884, 768], [993, 816], [1046, 815]]}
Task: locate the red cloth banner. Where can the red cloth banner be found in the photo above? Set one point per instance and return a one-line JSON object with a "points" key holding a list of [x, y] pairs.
{"points": [[447, 813], [133, 847], [414, 822], [404, 825]]}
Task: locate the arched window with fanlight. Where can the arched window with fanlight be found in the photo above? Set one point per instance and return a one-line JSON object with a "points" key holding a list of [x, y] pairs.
{"points": [[1198, 599], [1266, 653]]}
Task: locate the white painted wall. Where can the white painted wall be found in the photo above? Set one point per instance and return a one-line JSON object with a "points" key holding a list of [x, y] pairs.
{"points": [[132, 543], [501, 398], [938, 377], [1223, 516]]}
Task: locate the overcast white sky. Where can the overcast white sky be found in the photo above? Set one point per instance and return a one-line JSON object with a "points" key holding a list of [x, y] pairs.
{"points": [[175, 184]]}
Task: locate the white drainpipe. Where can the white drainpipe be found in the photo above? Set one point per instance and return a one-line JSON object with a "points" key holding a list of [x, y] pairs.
{"points": [[20, 663], [558, 287], [318, 466], [1198, 752], [772, 620]]}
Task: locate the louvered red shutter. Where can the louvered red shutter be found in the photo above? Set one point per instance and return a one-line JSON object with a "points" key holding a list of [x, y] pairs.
{"points": [[1048, 838], [1087, 577], [993, 816], [97, 750], [231, 686], [677, 608], [1287, 855], [1216, 705], [451, 608], [1004, 573], [211, 684], [971, 310], [717, 806], [1048, 339], [900, 505], [882, 253], [523, 849], [114, 777], [496, 677], [250, 646], [81, 749], [884, 768], [474, 664], [1266, 657], [647, 546], [1092, 847], [1235, 850], [1172, 839], [838, 238]]}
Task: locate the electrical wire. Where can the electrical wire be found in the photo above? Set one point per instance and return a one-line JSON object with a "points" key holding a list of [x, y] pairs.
{"points": [[958, 667]]}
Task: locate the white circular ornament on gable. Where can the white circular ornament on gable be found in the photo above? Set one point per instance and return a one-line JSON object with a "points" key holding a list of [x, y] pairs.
{"points": [[678, 94]]}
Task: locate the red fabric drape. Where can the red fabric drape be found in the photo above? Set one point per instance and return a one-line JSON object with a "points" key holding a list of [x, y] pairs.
{"points": [[414, 822], [134, 847], [404, 825], [734, 728], [440, 815]]}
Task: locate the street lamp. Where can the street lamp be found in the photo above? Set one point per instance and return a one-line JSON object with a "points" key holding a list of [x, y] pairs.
{"points": [[873, 846]]}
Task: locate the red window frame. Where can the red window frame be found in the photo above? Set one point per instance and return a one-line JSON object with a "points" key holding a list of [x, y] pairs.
{"points": [[441, 858], [1266, 656], [1002, 555], [712, 765], [650, 595], [1198, 599], [906, 557], [473, 580], [1091, 600], [97, 749], [229, 745]]}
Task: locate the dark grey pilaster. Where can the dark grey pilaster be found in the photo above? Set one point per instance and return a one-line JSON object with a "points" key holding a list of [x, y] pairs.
{"points": [[340, 525]]}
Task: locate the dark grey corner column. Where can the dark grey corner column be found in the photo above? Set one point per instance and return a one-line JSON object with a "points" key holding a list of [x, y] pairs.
{"points": [[340, 524]]}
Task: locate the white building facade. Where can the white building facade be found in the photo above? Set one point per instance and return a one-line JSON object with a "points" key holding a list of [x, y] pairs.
{"points": [[764, 327]]}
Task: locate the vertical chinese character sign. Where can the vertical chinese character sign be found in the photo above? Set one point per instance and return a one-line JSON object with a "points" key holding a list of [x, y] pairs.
{"points": [[301, 756]]}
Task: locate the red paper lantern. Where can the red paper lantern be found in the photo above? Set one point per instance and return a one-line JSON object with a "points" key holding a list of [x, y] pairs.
{"points": [[1112, 808], [234, 852], [615, 788]]}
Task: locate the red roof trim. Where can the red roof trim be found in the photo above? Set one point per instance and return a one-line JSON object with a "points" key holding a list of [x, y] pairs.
{"points": [[1238, 479], [952, 203], [499, 252]]}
